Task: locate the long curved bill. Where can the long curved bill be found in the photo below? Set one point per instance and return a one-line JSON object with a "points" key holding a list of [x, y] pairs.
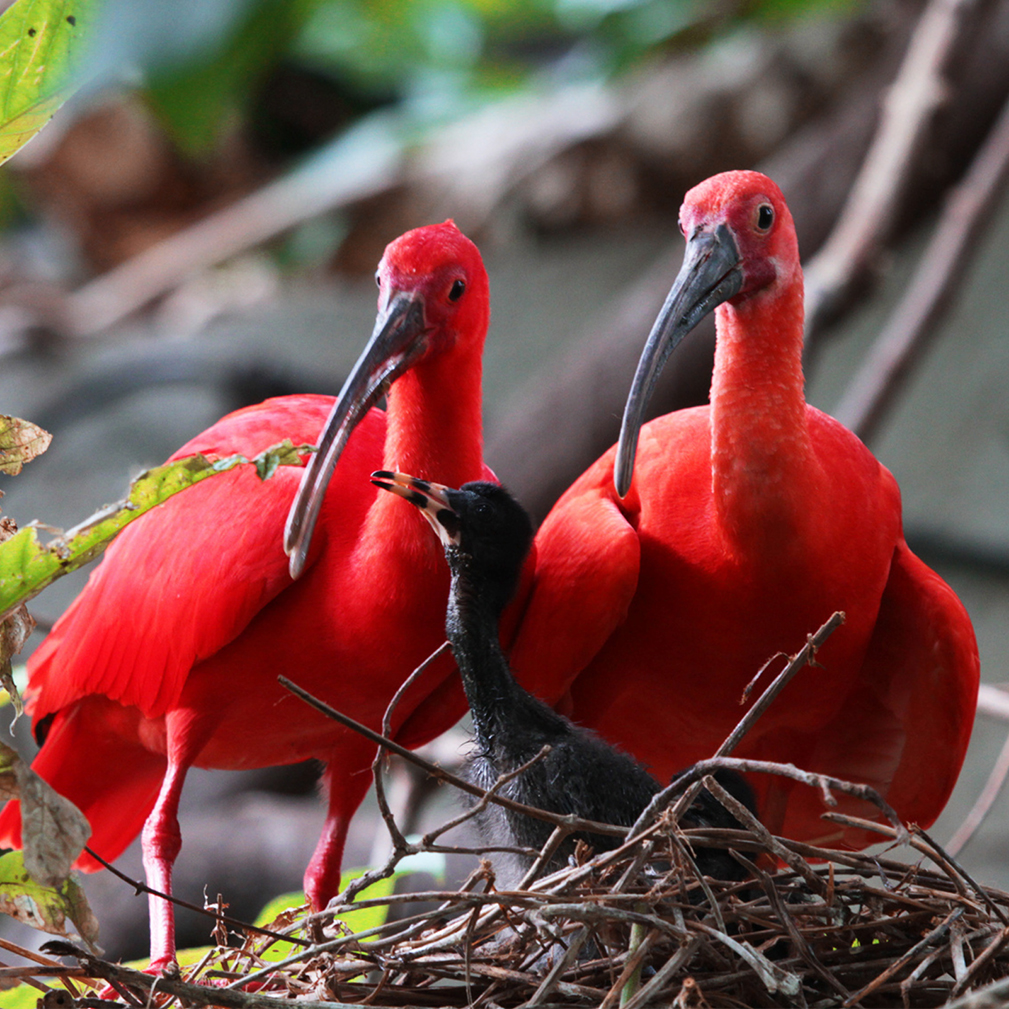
{"points": [[395, 344], [431, 498], [710, 274]]}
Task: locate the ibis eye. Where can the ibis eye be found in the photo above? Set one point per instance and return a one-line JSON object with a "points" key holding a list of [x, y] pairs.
{"points": [[457, 290], [765, 217], [378, 279]]}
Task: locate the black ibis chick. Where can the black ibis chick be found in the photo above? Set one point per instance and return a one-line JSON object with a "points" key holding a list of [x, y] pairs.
{"points": [[486, 534]]}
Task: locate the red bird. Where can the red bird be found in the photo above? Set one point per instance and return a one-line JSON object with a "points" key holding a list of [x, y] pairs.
{"points": [[169, 657], [747, 523]]}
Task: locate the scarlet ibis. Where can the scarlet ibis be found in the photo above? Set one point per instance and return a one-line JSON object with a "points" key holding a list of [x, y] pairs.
{"points": [[169, 657], [746, 524], [486, 534]]}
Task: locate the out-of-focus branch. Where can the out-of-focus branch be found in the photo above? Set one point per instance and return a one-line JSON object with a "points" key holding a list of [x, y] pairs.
{"points": [[984, 802], [867, 222], [993, 701], [351, 169], [967, 214]]}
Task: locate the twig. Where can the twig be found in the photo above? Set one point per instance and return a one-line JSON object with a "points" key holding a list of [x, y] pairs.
{"points": [[798, 939], [967, 215], [747, 819], [934, 936], [867, 220], [981, 961], [992, 997], [823, 782], [194, 994], [647, 994], [215, 915], [953, 867], [399, 843], [555, 973], [569, 822], [773, 976], [805, 655]]}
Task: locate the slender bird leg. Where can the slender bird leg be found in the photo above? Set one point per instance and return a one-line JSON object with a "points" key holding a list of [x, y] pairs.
{"points": [[161, 839], [345, 788]]}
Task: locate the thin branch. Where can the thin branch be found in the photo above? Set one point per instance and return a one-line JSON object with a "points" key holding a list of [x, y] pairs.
{"points": [[193, 994], [805, 655], [967, 215], [930, 940], [953, 867], [215, 915], [569, 822], [981, 961], [993, 701], [350, 169], [748, 820], [399, 842], [867, 220], [984, 802]]}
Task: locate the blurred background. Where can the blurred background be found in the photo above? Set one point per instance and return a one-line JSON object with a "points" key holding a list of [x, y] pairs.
{"points": [[198, 229]]}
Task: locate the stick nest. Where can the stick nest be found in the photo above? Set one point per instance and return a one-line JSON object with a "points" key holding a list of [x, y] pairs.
{"points": [[637, 927]]}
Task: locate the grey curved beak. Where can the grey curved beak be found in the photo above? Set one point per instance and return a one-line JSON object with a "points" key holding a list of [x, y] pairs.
{"points": [[395, 344], [711, 273]]}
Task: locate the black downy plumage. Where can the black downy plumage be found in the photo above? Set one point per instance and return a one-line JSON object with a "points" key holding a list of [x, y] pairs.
{"points": [[486, 535]]}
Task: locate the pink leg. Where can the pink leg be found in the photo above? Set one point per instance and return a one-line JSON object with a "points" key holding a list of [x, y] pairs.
{"points": [[346, 785], [161, 839]]}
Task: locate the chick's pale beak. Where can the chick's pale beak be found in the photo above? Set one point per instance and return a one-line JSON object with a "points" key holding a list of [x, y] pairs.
{"points": [[431, 498]]}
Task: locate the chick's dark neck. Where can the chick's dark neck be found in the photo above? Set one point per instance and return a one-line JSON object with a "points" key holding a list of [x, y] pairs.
{"points": [[507, 720]]}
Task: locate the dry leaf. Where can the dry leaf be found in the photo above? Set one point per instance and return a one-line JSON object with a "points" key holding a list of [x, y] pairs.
{"points": [[20, 442]]}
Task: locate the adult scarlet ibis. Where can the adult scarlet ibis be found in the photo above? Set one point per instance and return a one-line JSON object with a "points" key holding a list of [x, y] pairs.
{"points": [[169, 657], [486, 534], [746, 524]]}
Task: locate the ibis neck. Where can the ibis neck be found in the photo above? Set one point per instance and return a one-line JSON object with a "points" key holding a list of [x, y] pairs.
{"points": [[434, 427], [761, 455], [433, 431]]}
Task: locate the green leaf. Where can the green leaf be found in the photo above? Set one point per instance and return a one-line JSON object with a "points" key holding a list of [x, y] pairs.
{"points": [[28, 566], [37, 43], [288, 908], [44, 907], [285, 910]]}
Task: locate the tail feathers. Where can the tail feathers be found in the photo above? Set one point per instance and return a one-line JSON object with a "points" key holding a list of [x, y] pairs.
{"points": [[106, 773]]}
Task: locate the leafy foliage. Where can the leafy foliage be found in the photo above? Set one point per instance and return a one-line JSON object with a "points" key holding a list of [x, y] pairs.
{"points": [[28, 566], [37, 43], [433, 57]]}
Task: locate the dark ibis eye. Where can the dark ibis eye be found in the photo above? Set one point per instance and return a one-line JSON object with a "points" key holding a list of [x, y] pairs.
{"points": [[378, 279], [765, 216], [458, 288]]}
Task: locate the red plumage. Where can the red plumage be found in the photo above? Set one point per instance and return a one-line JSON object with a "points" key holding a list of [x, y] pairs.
{"points": [[169, 657], [746, 525]]}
